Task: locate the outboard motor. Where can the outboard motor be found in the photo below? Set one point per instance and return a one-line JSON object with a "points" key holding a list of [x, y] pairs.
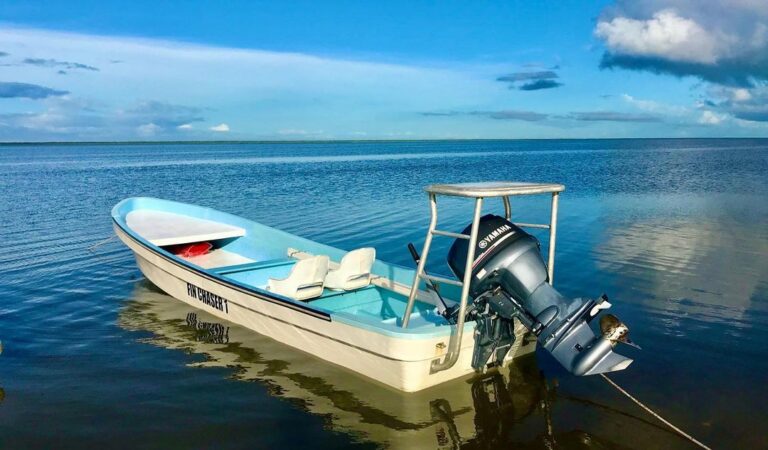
{"points": [[510, 281]]}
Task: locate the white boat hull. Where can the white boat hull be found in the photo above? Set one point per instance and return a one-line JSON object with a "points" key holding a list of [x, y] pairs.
{"points": [[400, 363]]}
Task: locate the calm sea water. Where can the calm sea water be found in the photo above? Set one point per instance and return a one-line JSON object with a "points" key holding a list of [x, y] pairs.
{"points": [[674, 231]]}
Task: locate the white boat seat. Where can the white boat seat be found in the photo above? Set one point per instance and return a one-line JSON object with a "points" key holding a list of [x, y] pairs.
{"points": [[305, 281], [354, 271], [376, 280]]}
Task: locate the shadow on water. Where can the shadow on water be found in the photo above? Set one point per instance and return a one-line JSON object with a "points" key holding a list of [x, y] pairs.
{"points": [[517, 406]]}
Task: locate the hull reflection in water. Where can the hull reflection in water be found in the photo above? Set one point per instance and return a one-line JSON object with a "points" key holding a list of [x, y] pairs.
{"points": [[509, 407]]}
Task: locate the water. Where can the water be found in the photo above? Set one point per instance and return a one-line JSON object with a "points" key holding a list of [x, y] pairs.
{"points": [[673, 230]]}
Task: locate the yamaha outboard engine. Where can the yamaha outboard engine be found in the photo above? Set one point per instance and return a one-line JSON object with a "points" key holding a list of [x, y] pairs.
{"points": [[510, 281]]}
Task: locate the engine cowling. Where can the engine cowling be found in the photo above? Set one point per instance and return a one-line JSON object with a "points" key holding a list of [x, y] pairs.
{"points": [[510, 281]]}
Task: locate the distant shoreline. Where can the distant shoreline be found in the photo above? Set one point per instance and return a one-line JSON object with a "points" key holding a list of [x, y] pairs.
{"points": [[360, 141]]}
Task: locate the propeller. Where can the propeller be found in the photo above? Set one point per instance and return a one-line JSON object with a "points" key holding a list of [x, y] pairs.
{"points": [[615, 330]]}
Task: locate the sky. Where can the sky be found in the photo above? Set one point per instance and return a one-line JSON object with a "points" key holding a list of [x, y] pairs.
{"points": [[304, 70]]}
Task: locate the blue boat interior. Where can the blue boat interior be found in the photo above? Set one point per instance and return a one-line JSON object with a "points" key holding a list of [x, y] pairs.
{"points": [[261, 253]]}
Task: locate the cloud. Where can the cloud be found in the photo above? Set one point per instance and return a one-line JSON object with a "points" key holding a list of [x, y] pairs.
{"points": [[527, 76], [724, 73], [41, 62], [710, 118], [527, 116], [62, 116], [4, 54], [531, 80], [220, 128], [162, 114], [749, 105], [283, 89], [739, 103], [531, 116], [66, 116], [666, 35], [27, 90], [442, 113], [755, 115], [613, 116], [721, 41], [300, 133], [540, 84], [148, 129], [741, 95], [654, 106], [293, 132]]}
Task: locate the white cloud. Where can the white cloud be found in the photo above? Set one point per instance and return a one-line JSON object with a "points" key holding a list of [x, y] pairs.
{"points": [[220, 128], [302, 133], [654, 106], [178, 70], [61, 118], [721, 41], [742, 104], [268, 90], [293, 132], [711, 118], [148, 129], [666, 35], [740, 95]]}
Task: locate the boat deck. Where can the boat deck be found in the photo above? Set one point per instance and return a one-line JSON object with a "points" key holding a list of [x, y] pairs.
{"points": [[372, 304]]}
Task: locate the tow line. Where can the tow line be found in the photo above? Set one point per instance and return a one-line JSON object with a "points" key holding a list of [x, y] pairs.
{"points": [[654, 414]]}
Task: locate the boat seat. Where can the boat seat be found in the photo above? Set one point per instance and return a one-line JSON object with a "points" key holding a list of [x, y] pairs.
{"points": [[305, 281], [353, 272]]}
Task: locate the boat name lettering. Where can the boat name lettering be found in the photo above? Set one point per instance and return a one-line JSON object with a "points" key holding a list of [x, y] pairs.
{"points": [[209, 298], [493, 235]]}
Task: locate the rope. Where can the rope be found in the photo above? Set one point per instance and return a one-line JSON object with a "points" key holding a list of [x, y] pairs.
{"points": [[102, 257], [99, 244], [651, 412]]}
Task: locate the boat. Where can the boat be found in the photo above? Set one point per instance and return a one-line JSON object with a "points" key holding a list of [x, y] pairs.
{"points": [[402, 327]]}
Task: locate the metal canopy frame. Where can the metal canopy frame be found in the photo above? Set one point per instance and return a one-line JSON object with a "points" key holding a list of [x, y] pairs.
{"points": [[479, 192]]}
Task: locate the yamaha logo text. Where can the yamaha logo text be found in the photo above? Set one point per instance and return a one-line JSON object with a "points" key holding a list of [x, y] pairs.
{"points": [[487, 240]]}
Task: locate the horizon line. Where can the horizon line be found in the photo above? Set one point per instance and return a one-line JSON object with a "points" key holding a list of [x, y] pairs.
{"points": [[321, 141]]}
